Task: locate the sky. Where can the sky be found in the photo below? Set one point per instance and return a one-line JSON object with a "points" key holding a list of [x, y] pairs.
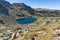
{"points": [[49, 4]]}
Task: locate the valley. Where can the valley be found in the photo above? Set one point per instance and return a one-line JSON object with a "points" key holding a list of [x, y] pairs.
{"points": [[19, 21]]}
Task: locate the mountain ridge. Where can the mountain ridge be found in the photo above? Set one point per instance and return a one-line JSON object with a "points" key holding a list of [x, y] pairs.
{"points": [[42, 12]]}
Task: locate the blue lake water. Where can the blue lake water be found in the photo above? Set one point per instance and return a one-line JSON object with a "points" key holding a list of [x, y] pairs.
{"points": [[26, 20]]}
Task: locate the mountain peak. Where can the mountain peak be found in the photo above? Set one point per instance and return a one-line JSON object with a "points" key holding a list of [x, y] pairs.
{"points": [[19, 4], [5, 4]]}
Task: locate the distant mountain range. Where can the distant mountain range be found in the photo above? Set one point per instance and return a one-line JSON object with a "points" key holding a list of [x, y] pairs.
{"points": [[42, 12], [47, 12]]}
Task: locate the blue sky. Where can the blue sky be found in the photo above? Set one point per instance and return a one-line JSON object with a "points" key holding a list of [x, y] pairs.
{"points": [[49, 4]]}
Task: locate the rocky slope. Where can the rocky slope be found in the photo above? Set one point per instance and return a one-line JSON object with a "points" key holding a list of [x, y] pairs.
{"points": [[5, 15], [25, 10], [6, 20]]}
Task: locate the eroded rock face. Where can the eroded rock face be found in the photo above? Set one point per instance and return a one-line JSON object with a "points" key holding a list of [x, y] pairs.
{"points": [[5, 15], [6, 19]]}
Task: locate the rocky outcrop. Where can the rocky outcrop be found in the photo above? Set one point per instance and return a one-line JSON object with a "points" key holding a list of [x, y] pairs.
{"points": [[24, 9], [23, 6], [5, 14]]}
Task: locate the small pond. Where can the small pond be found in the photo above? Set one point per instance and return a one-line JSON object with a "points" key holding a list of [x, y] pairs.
{"points": [[26, 20]]}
